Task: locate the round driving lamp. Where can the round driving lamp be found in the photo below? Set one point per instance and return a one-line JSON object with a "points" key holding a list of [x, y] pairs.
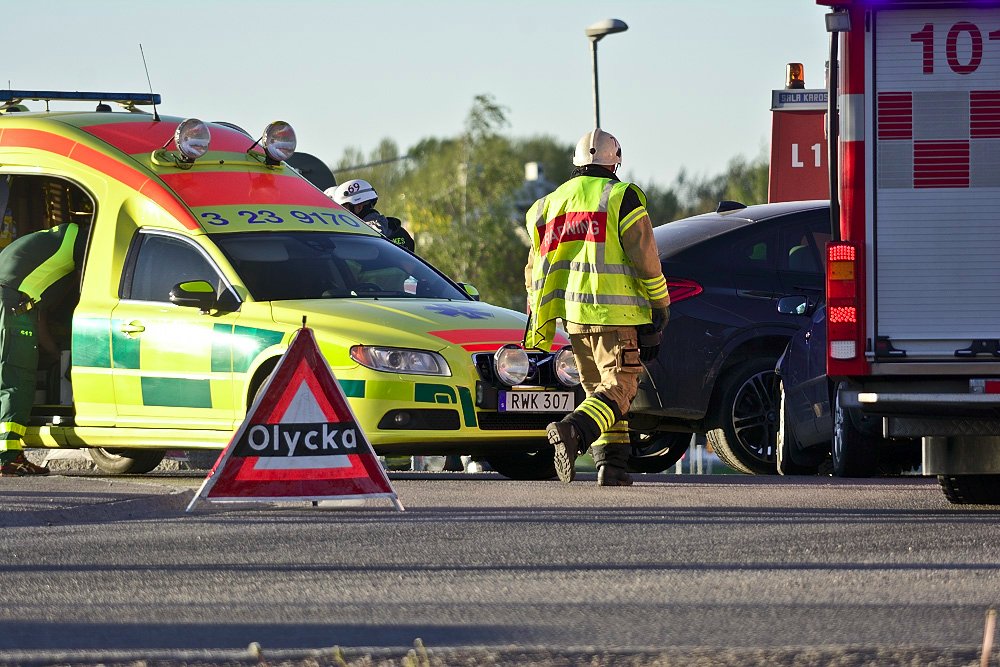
{"points": [[565, 364], [279, 141], [512, 364], [192, 138]]}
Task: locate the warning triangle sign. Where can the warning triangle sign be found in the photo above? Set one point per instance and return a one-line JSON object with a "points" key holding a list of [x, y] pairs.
{"points": [[299, 441]]}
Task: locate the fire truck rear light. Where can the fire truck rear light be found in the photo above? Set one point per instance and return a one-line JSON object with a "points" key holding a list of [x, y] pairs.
{"points": [[841, 252], [681, 289], [841, 270], [843, 349], [842, 314]]}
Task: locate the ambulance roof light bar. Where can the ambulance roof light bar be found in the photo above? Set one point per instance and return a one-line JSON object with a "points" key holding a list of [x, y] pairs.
{"points": [[11, 97]]}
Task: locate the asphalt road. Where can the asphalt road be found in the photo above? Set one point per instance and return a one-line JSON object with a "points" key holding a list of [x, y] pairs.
{"points": [[707, 566]]}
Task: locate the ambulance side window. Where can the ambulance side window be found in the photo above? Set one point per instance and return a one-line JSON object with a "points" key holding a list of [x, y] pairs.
{"points": [[158, 262]]}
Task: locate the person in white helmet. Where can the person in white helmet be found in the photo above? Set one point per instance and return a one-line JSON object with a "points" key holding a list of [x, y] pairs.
{"points": [[359, 197], [593, 264]]}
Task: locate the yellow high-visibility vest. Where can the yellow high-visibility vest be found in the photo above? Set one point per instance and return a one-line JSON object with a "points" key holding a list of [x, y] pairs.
{"points": [[581, 273]]}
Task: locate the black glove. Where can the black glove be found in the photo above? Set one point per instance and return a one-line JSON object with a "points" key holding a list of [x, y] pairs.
{"points": [[660, 318], [649, 342]]}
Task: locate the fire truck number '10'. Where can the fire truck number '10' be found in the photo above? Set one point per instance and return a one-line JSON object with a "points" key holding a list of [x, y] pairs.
{"points": [[925, 36]]}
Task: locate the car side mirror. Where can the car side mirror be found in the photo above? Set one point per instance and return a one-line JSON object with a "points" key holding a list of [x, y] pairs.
{"points": [[796, 305], [194, 294], [470, 290]]}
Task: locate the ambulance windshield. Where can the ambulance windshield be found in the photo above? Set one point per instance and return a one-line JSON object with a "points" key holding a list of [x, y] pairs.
{"points": [[312, 265]]}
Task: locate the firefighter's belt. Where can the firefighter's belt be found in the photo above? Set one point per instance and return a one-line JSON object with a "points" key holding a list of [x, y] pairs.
{"points": [[24, 302]]}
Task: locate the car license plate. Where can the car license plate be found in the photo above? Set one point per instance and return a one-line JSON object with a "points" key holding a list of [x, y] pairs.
{"points": [[535, 401]]}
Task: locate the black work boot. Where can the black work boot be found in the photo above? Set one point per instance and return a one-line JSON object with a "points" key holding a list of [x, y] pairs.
{"points": [[610, 476], [564, 436], [612, 461]]}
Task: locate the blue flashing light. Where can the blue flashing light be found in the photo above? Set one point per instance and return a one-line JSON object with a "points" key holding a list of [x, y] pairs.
{"points": [[121, 98]]}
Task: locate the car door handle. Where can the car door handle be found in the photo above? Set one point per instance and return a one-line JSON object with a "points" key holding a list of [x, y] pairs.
{"points": [[132, 328], [757, 294]]}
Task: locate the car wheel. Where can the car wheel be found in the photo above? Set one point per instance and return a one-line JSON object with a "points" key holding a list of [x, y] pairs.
{"points": [[749, 416], [971, 489], [854, 452], [529, 466], [656, 452], [785, 446], [118, 461]]}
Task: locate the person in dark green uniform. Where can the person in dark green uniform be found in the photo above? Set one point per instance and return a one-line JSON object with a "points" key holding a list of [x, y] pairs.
{"points": [[29, 266]]}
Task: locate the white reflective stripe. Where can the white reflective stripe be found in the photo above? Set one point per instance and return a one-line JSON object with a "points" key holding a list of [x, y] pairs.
{"points": [[603, 299], [852, 117], [605, 197]]}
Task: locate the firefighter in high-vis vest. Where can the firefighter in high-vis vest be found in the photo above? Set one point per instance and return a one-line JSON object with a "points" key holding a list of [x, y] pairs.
{"points": [[28, 268], [594, 264]]}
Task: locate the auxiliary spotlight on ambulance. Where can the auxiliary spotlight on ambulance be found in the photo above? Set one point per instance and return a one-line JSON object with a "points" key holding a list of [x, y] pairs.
{"points": [[205, 252]]}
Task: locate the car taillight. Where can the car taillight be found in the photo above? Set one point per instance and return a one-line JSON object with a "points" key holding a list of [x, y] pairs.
{"points": [[681, 289], [843, 329]]}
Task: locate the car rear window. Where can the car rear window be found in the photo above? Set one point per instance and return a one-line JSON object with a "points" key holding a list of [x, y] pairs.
{"points": [[680, 235]]}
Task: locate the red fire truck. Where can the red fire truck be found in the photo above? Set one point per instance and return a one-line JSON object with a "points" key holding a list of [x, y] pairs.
{"points": [[913, 273]]}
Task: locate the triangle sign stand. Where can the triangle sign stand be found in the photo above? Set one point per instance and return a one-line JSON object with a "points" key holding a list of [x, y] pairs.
{"points": [[299, 441]]}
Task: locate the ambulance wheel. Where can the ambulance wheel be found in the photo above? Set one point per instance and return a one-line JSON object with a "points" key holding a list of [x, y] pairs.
{"points": [[118, 461], [527, 466]]}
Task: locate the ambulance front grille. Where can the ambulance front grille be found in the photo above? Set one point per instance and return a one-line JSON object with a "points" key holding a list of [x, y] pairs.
{"points": [[513, 421]]}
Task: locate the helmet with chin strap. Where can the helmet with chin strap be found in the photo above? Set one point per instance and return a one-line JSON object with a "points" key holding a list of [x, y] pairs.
{"points": [[598, 147]]}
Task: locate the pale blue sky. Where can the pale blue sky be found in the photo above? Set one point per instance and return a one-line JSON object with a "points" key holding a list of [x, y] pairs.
{"points": [[687, 86]]}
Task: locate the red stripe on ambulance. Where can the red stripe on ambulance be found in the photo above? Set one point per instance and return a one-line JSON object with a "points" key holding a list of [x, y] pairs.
{"points": [[234, 188], [53, 143], [144, 137]]}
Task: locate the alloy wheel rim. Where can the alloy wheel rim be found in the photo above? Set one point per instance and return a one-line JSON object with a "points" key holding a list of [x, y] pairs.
{"points": [[755, 416]]}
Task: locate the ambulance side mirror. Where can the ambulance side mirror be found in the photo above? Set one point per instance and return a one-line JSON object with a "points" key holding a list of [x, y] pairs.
{"points": [[194, 294], [470, 290]]}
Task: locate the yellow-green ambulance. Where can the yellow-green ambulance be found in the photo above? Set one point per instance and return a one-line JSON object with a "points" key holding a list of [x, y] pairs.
{"points": [[205, 252]]}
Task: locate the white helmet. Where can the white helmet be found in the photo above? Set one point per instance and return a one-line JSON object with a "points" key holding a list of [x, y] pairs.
{"points": [[354, 191], [597, 147]]}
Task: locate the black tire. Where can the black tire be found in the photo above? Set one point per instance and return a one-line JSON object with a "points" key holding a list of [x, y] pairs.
{"points": [[786, 447], [971, 489], [854, 452], [748, 412], [524, 466], [656, 452], [119, 461]]}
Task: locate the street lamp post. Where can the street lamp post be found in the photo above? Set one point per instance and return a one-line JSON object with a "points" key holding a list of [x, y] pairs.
{"points": [[596, 33]]}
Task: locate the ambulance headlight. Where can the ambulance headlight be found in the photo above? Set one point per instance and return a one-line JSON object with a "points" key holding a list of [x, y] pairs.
{"points": [[192, 138], [279, 141], [512, 364], [565, 365], [400, 360]]}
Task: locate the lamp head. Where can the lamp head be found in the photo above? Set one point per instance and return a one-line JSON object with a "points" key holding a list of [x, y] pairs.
{"points": [[597, 31]]}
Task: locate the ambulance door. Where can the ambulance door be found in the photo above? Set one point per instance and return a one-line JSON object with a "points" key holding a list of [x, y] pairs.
{"points": [[172, 365]]}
